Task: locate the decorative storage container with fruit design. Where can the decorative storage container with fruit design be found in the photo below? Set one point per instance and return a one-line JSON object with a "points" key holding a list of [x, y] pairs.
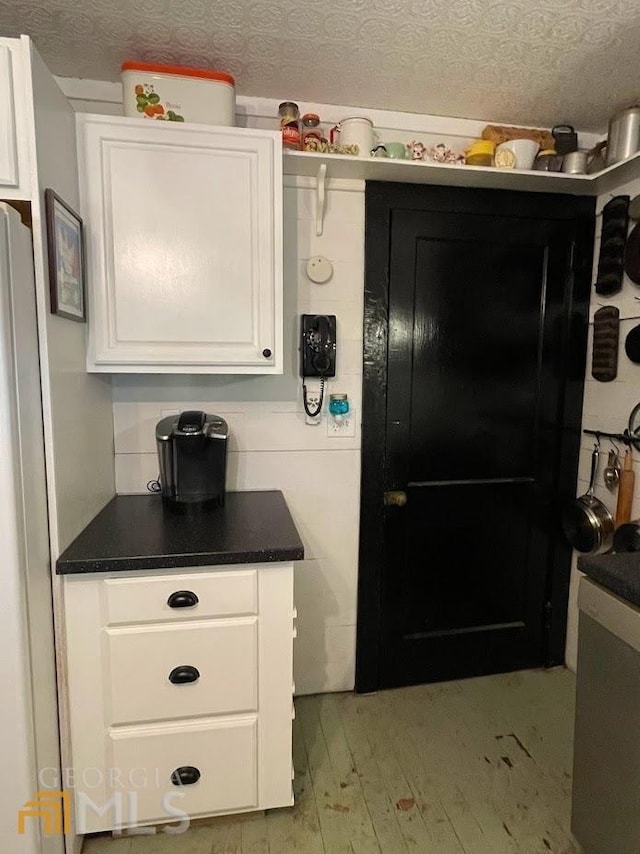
{"points": [[177, 94]]}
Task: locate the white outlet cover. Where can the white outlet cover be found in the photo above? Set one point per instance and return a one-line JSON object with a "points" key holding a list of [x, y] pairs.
{"points": [[342, 428], [319, 269]]}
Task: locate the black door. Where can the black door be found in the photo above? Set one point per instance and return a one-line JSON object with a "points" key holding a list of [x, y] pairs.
{"points": [[481, 418]]}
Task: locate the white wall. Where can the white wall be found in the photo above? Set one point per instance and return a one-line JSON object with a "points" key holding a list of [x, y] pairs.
{"points": [[77, 405], [97, 96], [77, 409], [271, 447], [606, 405]]}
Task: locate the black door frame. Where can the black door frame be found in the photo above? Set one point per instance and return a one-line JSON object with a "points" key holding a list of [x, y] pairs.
{"points": [[380, 200]]}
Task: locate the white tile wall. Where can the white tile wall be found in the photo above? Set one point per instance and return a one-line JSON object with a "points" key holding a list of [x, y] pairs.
{"points": [[271, 446], [606, 406]]}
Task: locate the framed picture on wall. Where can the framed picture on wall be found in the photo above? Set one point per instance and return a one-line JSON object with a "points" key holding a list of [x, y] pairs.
{"points": [[66, 259]]}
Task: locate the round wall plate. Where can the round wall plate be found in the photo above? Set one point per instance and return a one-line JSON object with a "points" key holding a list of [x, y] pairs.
{"points": [[319, 269]]}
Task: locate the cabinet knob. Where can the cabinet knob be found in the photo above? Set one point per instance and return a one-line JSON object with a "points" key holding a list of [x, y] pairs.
{"points": [[182, 599], [183, 674], [186, 775], [266, 353]]}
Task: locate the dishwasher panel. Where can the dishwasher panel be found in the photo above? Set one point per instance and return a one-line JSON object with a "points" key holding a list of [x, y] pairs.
{"points": [[606, 774]]}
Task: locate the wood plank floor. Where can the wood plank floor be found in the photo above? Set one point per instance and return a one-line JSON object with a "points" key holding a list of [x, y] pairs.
{"points": [[480, 766]]}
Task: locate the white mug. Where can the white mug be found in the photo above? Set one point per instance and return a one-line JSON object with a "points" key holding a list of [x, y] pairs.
{"points": [[524, 150], [355, 130]]}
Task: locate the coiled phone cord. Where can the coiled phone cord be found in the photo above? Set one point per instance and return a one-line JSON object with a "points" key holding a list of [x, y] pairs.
{"points": [[318, 409]]}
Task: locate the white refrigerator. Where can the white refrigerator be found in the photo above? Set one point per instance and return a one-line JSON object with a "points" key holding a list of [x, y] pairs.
{"points": [[29, 741]]}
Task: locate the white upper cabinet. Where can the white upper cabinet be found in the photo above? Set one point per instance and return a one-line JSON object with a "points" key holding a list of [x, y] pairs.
{"points": [[8, 130], [183, 229], [15, 100]]}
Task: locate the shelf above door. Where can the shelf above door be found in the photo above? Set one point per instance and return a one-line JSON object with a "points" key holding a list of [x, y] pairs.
{"points": [[303, 163]]}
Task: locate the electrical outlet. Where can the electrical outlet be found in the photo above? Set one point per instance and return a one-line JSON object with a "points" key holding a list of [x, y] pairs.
{"points": [[342, 428], [313, 401]]}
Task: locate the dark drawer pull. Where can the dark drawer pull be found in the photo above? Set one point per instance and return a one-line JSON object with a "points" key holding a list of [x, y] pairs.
{"points": [[185, 776], [182, 599], [184, 673]]}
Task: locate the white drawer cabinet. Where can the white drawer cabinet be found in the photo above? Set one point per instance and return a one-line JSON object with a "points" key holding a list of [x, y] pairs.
{"points": [[180, 596], [204, 687], [184, 246], [194, 669], [224, 752]]}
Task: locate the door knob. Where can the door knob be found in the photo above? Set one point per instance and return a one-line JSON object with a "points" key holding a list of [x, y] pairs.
{"points": [[395, 498]]}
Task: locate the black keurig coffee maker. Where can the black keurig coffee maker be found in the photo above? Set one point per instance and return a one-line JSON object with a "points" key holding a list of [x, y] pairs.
{"points": [[192, 453]]}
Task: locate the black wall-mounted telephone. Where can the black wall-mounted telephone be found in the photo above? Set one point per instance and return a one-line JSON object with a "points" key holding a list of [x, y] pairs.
{"points": [[318, 346], [317, 353]]}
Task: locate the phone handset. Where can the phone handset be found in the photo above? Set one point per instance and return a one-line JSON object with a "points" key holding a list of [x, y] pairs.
{"points": [[317, 354]]}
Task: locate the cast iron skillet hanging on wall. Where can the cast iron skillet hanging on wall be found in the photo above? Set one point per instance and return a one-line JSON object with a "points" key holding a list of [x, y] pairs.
{"points": [[632, 249], [632, 269], [587, 523], [615, 221]]}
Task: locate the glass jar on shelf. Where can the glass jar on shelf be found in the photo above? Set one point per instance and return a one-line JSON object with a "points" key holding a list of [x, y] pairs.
{"points": [[289, 115], [548, 160], [311, 130]]}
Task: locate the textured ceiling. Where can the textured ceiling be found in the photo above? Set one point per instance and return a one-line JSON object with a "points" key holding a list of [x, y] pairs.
{"points": [[521, 61]]}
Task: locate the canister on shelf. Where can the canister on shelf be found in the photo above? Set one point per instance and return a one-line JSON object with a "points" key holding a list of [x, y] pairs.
{"points": [[311, 128], [623, 139], [289, 114], [480, 153], [548, 160]]}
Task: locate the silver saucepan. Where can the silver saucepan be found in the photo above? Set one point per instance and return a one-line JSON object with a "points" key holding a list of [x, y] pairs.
{"points": [[587, 523]]}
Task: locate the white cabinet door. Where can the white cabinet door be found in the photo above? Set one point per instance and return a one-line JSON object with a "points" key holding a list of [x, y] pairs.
{"points": [[9, 173], [184, 245]]}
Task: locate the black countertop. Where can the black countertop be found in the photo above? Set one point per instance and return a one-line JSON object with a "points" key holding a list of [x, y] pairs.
{"points": [[619, 573], [139, 532]]}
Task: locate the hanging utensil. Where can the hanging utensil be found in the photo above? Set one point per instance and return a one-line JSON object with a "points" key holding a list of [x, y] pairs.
{"points": [[625, 491], [587, 523], [633, 428], [632, 345], [611, 474], [632, 255], [604, 355], [615, 220]]}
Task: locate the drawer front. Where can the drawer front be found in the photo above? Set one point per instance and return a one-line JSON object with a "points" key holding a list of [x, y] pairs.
{"points": [[182, 670], [182, 596], [224, 754]]}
